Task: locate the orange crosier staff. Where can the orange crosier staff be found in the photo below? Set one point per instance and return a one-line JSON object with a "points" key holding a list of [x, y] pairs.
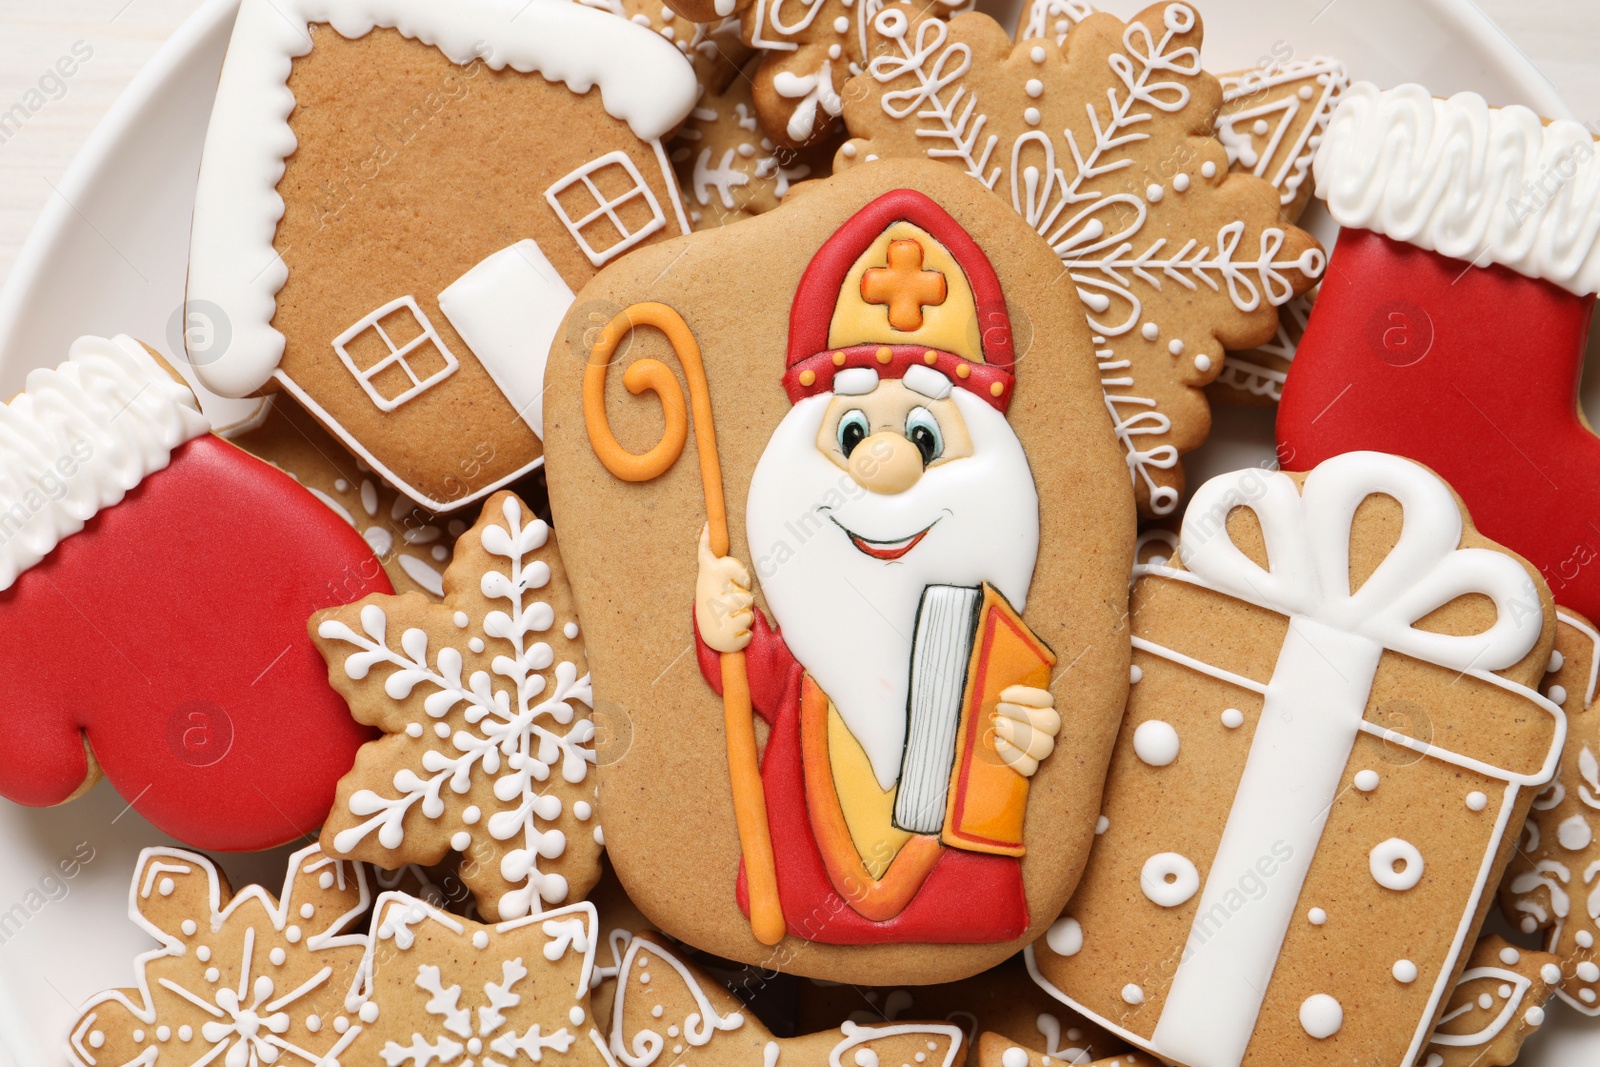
{"points": [[744, 769]]}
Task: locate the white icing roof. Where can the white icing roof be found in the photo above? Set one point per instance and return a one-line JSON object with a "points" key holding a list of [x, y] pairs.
{"points": [[642, 78]]}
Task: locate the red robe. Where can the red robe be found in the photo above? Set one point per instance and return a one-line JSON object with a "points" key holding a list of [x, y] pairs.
{"points": [[929, 893]]}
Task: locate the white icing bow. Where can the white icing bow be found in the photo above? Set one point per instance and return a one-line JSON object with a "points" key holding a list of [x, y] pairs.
{"points": [[1307, 537]]}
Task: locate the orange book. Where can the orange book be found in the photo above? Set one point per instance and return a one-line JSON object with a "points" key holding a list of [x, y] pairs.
{"points": [[970, 645]]}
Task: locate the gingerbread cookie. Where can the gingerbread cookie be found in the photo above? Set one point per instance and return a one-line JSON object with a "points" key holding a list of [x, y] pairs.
{"points": [[484, 702], [392, 226], [1497, 1004], [995, 1050], [439, 988], [1053, 19], [1454, 261], [669, 1012], [729, 168], [713, 47], [900, 443], [240, 979], [1331, 729], [152, 581], [1272, 121], [1255, 377], [1553, 883], [1175, 258], [412, 543]]}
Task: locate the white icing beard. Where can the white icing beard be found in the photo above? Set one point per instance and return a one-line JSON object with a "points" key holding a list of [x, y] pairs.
{"points": [[849, 618]]}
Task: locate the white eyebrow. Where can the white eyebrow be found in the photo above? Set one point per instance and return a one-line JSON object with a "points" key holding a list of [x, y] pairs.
{"points": [[855, 381], [927, 381]]}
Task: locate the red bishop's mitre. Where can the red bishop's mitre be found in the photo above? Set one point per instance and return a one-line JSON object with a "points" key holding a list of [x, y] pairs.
{"points": [[901, 287]]}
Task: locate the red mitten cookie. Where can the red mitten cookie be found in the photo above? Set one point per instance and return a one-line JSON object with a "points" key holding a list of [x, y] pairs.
{"points": [[154, 584], [1451, 323]]}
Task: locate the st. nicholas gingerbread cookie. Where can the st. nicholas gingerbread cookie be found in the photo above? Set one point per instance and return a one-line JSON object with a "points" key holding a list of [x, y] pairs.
{"points": [[861, 551]]}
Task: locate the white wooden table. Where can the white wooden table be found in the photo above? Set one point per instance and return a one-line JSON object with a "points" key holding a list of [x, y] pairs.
{"points": [[45, 116]]}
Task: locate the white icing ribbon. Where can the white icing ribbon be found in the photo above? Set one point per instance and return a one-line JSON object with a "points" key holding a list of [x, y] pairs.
{"points": [[1316, 699], [79, 438], [1457, 177]]}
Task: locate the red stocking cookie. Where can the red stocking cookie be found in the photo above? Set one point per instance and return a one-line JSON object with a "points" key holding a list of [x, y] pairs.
{"points": [[154, 581], [1451, 324]]}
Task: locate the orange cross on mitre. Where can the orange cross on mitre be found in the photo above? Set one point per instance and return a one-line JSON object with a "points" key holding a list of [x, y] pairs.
{"points": [[904, 286]]}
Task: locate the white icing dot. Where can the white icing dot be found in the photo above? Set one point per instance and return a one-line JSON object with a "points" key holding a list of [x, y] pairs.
{"points": [[1169, 879], [1037, 53], [480, 939], [1208, 169], [1395, 864], [212, 974], [1034, 88], [1552, 974], [1316, 916], [1557, 660], [1485, 1001], [165, 887], [1101, 825], [442, 729], [1405, 971], [439, 552], [849, 150], [841, 25], [1321, 1016], [1509, 956], [471, 814], [599, 836], [1584, 939], [1232, 718], [1574, 834], [656, 1011], [476, 644], [292, 935], [1260, 127], [1557, 694], [368, 1012], [834, 51], [163, 1033], [1181, 183], [461, 619], [96, 1039], [1154, 193], [413, 729], [570, 630], [379, 540], [1135, 674], [277, 955], [138, 1035], [340, 485], [1150, 331], [1367, 780], [1065, 937], [1014, 1057], [461, 841], [189, 928], [1202, 363], [1132, 994], [325, 879], [1505, 990], [575, 1014], [1535, 1016], [1031, 116], [672, 1031], [1156, 743], [1175, 346], [202, 953], [667, 14], [1476, 801], [1304, 92], [1588, 971], [1586, 995], [340, 1024], [1529, 924], [581, 810], [307, 910], [644, 977]]}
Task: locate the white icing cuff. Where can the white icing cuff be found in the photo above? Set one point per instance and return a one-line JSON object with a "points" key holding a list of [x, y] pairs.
{"points": [[79, 437], [1457, 177], [643, 81]]}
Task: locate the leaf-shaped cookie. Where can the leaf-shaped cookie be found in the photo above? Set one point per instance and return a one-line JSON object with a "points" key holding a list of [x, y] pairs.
{"points": [[484, 702], [1105, 145], [1497, 1004]]}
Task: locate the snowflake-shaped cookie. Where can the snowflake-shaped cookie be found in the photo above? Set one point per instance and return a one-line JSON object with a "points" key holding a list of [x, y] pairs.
{"points": [[1106, 147], [729, 168], [667, 1012], [484, 701], [1553, 882], [1497, 1004], [444, 991], [239, 980]]}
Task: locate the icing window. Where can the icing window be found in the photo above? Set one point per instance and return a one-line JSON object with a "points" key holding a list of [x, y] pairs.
{"points": [[395, 353], [606, 206]]}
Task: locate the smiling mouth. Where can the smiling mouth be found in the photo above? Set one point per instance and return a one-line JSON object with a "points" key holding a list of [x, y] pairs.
{"points": [[885, 550]]}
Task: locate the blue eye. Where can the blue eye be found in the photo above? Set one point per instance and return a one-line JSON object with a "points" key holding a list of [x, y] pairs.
{"points": [[852, 430], [922, 430]]}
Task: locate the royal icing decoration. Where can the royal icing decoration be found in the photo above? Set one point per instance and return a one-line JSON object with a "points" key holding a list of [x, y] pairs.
{"points": [[485, 705], [1553, 883], [240, 979], [1273, 119], [1171, 271], [1497, 1004], [1240, 935]]}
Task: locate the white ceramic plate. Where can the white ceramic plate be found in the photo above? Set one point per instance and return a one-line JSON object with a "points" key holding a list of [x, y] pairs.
{"points": [[109, 255]]}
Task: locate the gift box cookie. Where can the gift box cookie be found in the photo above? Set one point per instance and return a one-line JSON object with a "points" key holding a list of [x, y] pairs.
{"points": [[1331, 731], [397, 201]]}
